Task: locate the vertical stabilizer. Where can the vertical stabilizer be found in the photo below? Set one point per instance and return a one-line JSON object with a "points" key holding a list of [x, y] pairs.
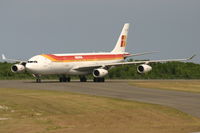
{"points": [[121, 43]]}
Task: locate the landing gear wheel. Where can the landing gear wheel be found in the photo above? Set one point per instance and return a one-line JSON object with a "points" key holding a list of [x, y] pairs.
{"points": [[83, 79], [64, 79], [99, 79], [38, 80], [61, 79], [68, 79]]}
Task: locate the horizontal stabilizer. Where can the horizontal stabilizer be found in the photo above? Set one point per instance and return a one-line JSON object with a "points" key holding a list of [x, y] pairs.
{"points": [[139, 54]]}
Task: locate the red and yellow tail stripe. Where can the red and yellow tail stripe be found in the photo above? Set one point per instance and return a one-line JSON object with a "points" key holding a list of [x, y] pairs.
{"points": [[123, 41]]}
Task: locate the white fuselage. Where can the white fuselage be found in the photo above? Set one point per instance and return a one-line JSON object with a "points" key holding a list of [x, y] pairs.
{"points": [[66, 63]]}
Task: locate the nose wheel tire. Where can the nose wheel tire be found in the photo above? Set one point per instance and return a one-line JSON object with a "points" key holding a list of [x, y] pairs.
{"points": [[99, 79], [38, 80]]}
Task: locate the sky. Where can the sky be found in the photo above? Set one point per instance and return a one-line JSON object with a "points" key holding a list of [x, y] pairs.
{"points": [[32, 27]]}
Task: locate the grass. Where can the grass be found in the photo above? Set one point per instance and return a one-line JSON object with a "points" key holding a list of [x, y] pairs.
{"points": [[40, 111], [177, 85]]}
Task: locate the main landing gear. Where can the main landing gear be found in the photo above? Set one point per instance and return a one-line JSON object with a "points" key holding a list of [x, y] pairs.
{"points": [[99, 79], [68, 79], [64, 79], [83, 79]]}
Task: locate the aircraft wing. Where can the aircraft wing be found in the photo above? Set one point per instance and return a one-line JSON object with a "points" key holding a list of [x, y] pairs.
{"points": [[12, 60], [91, 67]]}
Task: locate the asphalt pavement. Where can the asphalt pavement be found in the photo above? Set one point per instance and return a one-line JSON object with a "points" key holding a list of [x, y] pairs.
{"points": [[185, 101]]}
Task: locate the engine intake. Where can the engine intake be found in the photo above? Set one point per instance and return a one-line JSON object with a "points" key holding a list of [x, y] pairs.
{"points": [[98, 73], [17, 68], [144, 68]]}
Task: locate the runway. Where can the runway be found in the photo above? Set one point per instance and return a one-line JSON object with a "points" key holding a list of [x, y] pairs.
{"points": [[185, 101]]}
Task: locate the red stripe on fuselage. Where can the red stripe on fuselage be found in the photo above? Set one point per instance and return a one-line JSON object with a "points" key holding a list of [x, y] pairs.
{"points": [[85, 57]]}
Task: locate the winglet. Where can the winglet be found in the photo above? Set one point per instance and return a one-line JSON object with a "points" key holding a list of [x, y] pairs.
{"points": [[3, 57], [191, 57]]}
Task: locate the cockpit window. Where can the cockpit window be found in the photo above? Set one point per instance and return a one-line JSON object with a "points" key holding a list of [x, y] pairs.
{"points": [[32, 62]]}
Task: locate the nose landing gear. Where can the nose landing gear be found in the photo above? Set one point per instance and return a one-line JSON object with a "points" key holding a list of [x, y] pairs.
{"points": [[38, 79]]}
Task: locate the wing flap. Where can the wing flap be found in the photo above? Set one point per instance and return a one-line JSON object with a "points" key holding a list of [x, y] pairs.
{"points": [[87, 68], [139, 54]]}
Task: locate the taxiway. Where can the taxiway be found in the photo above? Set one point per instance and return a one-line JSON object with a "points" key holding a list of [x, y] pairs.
{"points": [[185, 101]]}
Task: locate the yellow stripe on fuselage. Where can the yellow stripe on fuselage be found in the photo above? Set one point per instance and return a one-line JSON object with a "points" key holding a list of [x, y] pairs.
{"points": [[80, 60]]}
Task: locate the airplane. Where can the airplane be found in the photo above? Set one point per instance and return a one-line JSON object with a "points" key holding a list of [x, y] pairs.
{"points": [[82, 64]]}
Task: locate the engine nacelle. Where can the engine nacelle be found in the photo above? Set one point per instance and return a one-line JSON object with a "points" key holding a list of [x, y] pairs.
{"points": [[144, 68], [18, 68], [98, 73]]}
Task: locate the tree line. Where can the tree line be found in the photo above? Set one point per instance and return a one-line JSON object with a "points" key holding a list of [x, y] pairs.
{"points": [[169, 70]]}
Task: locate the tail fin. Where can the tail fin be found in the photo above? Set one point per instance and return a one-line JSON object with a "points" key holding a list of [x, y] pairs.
{"points": [[121, 43]]}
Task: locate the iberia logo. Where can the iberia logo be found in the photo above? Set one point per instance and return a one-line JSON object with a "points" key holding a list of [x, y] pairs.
{"points": [[123, 41]]}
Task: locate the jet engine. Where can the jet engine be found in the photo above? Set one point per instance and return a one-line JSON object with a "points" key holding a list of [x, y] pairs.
{"points": [[98, 73], [144, 68], [18, 68]]}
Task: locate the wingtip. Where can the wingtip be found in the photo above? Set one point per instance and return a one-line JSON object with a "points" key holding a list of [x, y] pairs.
{"points": [[192, 57], [3, 57]]}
